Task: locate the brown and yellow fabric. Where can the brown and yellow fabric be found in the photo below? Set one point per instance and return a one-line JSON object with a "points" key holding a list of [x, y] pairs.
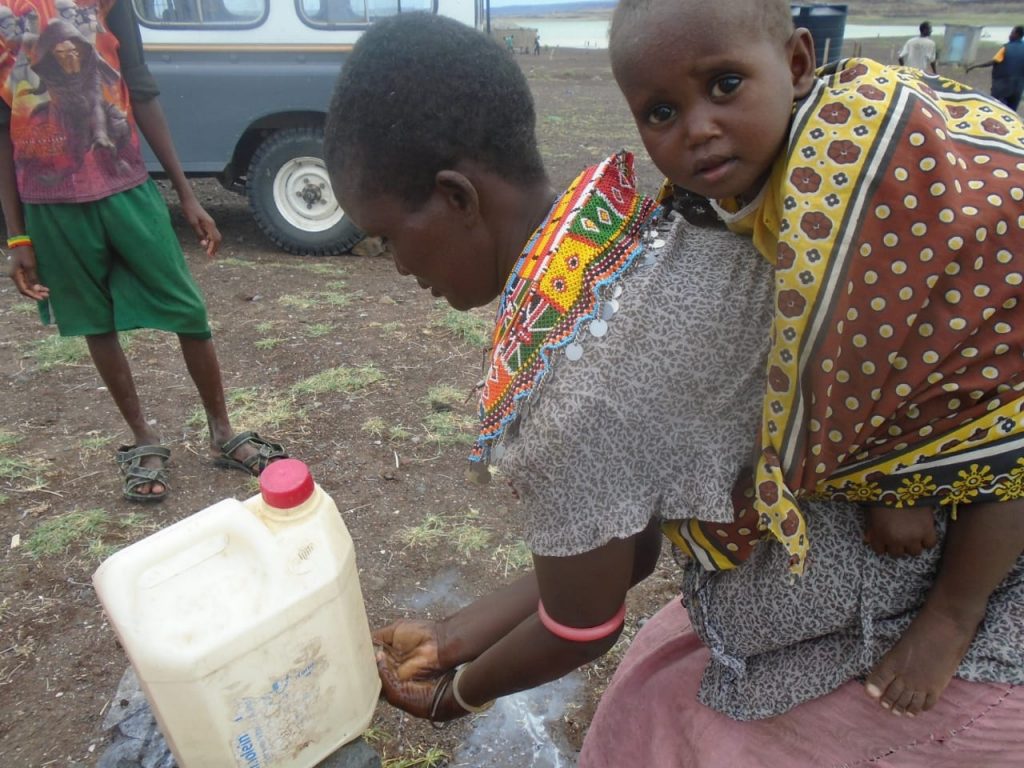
{"points": [[895, 221]]}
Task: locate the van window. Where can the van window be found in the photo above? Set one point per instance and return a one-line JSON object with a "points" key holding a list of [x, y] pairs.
{"points": [[194, 13], [332, 13]]}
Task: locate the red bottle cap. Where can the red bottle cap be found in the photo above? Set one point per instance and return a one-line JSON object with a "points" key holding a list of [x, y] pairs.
{"points": [[286, 484]]}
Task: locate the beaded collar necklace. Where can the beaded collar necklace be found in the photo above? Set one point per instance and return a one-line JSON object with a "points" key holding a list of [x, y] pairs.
{"points": [[590, 238]]}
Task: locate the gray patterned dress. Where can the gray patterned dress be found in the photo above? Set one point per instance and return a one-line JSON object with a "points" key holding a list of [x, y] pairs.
{"points": [[655, 421]]}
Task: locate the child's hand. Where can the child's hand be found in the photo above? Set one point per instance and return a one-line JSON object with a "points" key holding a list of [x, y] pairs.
{"points": [[23, 273], [900, 532], [203, 225]]}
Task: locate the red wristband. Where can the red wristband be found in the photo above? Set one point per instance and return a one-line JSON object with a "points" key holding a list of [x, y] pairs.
{"points": [[581, 634]]}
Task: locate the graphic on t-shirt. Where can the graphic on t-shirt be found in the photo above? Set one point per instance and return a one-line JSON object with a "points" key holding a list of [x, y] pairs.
{"points": [[70, 125]]}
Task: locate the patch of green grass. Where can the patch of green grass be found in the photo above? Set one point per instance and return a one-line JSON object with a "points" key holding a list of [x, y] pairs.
{"points": [[372, 735], [296, 301], [431, 530], [393, 327], [466, 326], [268, 343], [54, 536], [132, 339], [341, 379], [53, 351], [316, 330], [21, 472], [398, 433], [374, 426], [513, 557], [23, 307], [95, 442], [252, 409], [320, 268], [8, 440], [432, 757], [464, 534], [334, 298], [86, 529], [231, 261], [448, 428], [444, 397], [307, 301], [266, 326]]}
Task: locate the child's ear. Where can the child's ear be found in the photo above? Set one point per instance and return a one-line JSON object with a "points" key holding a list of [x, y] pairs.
{"points": [[801, 61], [458, 193]]}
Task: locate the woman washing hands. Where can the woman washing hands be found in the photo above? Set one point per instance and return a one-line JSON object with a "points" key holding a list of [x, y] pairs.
{"points": [[624, 391]]}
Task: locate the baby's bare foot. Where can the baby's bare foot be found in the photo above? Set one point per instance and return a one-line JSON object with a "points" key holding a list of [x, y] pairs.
{"points": [[911, 677]]}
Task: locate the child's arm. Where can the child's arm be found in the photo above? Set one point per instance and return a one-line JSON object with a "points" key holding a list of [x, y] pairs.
{"points": [[149, 116], [151, 121], [23, 259]]}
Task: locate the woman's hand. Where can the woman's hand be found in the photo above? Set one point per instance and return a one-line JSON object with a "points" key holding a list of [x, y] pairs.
{"points": [[411, 673], [409, 650]]}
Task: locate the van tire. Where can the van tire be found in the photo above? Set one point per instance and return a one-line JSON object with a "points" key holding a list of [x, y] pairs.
{"points": [[290, 195]]}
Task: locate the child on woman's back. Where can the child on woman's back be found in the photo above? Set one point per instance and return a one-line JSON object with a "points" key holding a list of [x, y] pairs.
{"points": [[887, 203]]}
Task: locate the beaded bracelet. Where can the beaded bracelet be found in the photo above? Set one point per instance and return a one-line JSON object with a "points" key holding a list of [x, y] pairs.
{"points": [[19, 241], [581, 634], [461, 701]]}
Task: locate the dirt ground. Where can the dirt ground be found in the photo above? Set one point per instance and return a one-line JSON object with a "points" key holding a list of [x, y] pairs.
{"points": [[356, 370]]}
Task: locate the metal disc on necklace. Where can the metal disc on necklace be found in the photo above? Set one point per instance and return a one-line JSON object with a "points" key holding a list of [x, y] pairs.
{"points": [[616, 291], [574, 352], [598, 328], [658, 243], [608, 309]]}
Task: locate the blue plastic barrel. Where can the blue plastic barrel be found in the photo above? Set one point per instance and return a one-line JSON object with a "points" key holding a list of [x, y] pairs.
{"points": [[827, 23]]}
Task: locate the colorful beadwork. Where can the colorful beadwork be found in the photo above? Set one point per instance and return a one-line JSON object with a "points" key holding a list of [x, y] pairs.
{"points": [[590, 238]]}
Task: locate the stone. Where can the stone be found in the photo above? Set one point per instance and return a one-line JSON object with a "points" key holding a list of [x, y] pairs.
{"points": [[136, 741]]}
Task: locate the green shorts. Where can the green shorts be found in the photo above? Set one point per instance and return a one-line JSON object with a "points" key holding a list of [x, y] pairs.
{"points": [[114, 265]]}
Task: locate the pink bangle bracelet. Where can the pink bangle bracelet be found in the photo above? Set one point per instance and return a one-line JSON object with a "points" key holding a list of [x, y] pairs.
{"points": [[581, 634]]}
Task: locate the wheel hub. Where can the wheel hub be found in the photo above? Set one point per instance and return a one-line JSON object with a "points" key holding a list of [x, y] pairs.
{"points": [[303, 195]]}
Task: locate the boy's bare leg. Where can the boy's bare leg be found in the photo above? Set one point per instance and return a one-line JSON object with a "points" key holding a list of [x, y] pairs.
{"points": [[981, 549], [108, 357], [201, 360]]}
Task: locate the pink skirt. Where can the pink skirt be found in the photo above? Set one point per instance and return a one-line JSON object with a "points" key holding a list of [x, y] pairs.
{"points": [[650, 718]]}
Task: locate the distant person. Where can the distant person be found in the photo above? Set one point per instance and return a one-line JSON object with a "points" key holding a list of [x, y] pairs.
{"points": [[536, 45], [920, 51], [1008, 70]]}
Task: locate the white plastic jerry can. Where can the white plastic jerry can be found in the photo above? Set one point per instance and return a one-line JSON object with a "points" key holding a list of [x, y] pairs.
{"points": [[246, 626]]}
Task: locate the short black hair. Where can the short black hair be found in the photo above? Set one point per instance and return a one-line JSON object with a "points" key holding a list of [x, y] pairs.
{"points": [[419, 94], [925, 28], [772, 18], [1017, 32]]}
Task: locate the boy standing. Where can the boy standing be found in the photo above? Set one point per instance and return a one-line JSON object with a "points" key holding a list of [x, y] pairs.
{"points": [[920, 52], [89, 234], [890, 208]]}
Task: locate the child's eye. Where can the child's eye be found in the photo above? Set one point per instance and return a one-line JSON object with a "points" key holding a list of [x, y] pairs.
{"points": [[724, 86], [660, 114]]}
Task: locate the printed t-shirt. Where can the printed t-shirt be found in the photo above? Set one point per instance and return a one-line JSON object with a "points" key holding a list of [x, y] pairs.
{"points": [[61, 76]]}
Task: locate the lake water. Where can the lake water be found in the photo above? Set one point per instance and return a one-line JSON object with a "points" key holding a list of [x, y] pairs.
{"points": [[593, 33]]}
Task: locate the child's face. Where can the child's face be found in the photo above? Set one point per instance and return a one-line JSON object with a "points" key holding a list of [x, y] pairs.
{"points": [[712, 103], [434, 243]]}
